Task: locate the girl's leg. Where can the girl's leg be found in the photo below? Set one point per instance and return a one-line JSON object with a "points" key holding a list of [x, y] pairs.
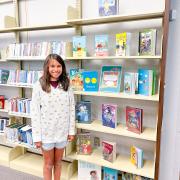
{"points": [[57, 163], [48, 163]]}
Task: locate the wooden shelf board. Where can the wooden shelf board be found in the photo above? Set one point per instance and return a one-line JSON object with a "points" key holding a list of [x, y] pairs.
{"points": [[119, 95], [17, 114], [4, 110], [116, 18], [17, 85], [112, 57], [6, 1], [147, 134], [122, 163], [35, 28], [4, 155], [26, 58]]}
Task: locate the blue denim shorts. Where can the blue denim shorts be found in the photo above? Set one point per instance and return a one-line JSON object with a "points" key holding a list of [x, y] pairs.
{"points": [[58, 145]]}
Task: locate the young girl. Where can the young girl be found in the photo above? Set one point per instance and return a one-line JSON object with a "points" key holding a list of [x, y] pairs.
{"points": [[53, 114]]}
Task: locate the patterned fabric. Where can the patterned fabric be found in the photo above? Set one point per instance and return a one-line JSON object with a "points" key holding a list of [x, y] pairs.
{"points": [[52, 114]]}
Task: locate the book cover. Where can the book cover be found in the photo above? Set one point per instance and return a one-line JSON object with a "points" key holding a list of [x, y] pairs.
{"points": [[147, 42], [110, 174], [4, 76], [83, 112], [90, 81], [83, 143], [101, 45], [88, 171], [108, 7], [127, 176], [110, 80], [130, 82], [134, 119], [109, 150], [123, 44], [79, 46], [109, 115], [76, 79]]}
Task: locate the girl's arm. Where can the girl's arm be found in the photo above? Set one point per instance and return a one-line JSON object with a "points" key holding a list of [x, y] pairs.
{"points": [[35, 114]]}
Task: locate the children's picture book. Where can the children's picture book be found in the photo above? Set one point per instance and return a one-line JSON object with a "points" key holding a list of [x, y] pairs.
{"points": [[79, 46], [83, 143], [109, 115], [96, 144], [127, 176], [123, 44], [110, 80], [88, 171], [110, 174], [90, 81], [147, 42], [109, 150], [4, 75], [83, 112], [76, 79], [101, 45], [134, 119], [108, 7]]}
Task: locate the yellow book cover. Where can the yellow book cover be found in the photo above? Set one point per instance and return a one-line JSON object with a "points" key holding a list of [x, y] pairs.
{"points": [[133, 155], [121, 44]]}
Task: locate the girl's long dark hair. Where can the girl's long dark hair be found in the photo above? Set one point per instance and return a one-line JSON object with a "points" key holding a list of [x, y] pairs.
{"points": [[45, 79]]}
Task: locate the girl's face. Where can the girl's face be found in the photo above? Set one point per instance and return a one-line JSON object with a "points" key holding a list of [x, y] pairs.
{"points": [[55, 69]]}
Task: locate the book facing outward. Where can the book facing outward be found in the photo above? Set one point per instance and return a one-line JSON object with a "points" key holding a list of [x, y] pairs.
{"points": [[110, 174], [134, 119], [101, 45], [79, 46]]}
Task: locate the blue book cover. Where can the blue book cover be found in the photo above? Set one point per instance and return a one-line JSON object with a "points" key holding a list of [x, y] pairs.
{"points": [[101, 45], [110, 80], [83, 111], [79, 46], [90, 81], [110, 174], [145, 80]]}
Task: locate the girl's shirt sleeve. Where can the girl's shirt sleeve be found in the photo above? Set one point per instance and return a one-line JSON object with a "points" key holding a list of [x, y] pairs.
{"points": [[36, 114], [72, 113]]}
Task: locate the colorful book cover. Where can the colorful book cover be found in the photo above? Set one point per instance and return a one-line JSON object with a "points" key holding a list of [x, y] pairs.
{"points": [[147, 42], [123, 44], [83, 112], [101, 45], [4, 75], [127, 176], [83, 143], [129, 83], [110, 80], [90, 81], [145, 82], [79, 46], [76, 79], [88, 171], [96, 142], [134, 119], [109, 115], [108, 7], [134, 158], [109, 151], [110, 174]]}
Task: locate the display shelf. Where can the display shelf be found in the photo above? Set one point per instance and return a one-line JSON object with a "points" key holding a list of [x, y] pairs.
{"points": [[3, 60], [17, 85], [4, 155], [116, 18], [121, 163], [121, 130], [113, 57], [119, 95], [17, 114], [4, 110], [26, 58]]}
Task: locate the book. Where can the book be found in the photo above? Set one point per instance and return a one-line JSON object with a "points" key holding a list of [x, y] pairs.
{"points": [[2, 101], [110, 174], [79, 46], [147, 42], [127, 176], [109, 150], [108, 7], [123, 41], [88, 171], [134, 119], [83, 112], [4, 75], [109, 115], [83, 143], [101, 45], [90, 81], [110, 80], [96, 143]]}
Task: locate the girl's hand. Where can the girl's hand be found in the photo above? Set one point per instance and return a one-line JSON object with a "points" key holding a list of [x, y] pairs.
{"points": [[38, 144], [70, 137]]}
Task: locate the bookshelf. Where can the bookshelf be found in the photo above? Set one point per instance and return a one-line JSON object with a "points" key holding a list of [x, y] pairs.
{"points": [[33, 162]]}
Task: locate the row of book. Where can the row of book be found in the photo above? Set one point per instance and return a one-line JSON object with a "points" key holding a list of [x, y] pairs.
{"points": [[40, 49], [143, 82], [134, 115], [20, 133], [84, 146], [123, 45], [21, 77], [4, 121], [91, 171], [20, 105]]}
